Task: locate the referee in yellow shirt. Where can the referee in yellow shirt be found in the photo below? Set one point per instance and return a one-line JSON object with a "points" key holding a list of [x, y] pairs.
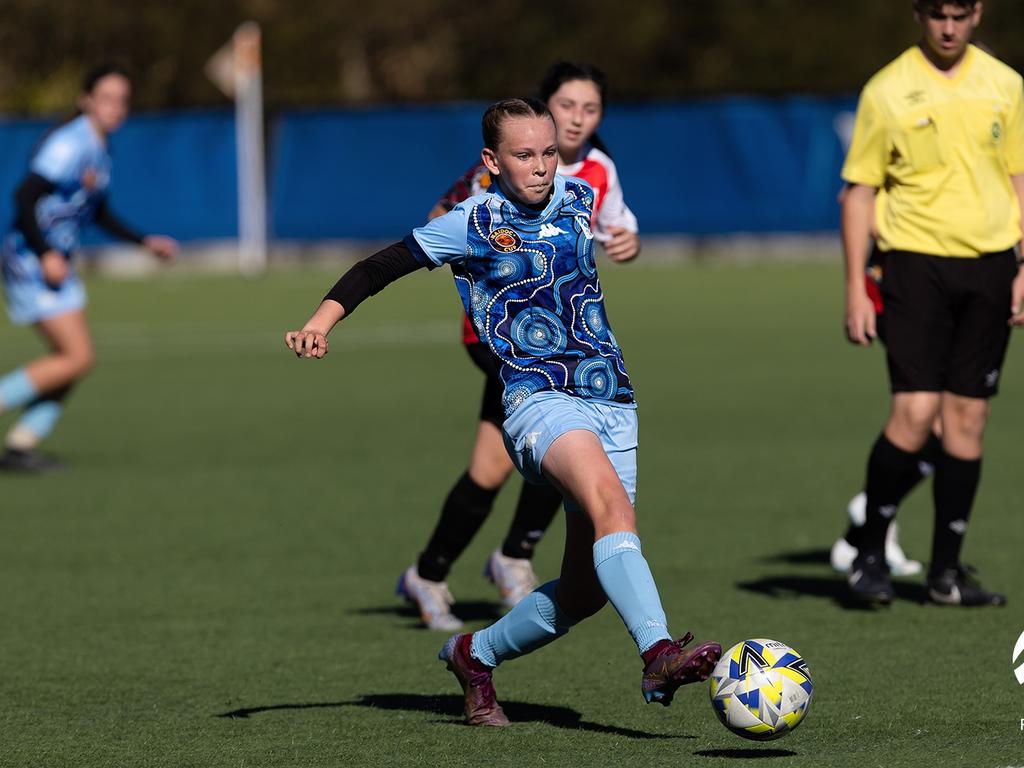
{"points": [[939, 137]]}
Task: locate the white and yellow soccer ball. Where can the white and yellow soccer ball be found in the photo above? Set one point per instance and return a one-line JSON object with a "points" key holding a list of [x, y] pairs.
{"points": [[761, 689]]}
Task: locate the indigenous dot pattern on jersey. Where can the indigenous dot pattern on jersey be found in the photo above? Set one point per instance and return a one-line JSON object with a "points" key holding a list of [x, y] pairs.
{"points": [[761, 689], [523, 277]]}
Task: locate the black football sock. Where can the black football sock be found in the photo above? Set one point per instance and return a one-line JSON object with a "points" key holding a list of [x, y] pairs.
{"points": [[536, 508], [464, 511], [906, 482], [955, 484], [892, 472]]}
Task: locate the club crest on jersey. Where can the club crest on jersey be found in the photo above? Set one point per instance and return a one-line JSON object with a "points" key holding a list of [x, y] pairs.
{"points": [[505, 240]]}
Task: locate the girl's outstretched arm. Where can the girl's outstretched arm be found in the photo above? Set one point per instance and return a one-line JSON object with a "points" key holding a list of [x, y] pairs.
{"points": [[365, 279]]}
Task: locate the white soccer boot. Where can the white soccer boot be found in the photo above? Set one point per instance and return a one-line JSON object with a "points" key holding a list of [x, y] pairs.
{"points": [[843, 553], [433, 598], [514, 577]]}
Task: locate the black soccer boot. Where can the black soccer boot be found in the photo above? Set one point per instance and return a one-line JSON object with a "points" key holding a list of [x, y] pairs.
{"points": [[28, 462], [958, 586], [869, 580]]}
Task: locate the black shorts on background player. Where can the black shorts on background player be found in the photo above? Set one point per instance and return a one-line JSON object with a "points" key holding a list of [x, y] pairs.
{"points": [[490, 404]]}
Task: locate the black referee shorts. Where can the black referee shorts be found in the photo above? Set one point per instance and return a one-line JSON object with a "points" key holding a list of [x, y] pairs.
{"points": [[946, 321], [491, 408]]}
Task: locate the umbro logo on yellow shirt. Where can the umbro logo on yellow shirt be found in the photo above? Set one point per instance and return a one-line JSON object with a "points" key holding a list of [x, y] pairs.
{"points": [[915, 97]]}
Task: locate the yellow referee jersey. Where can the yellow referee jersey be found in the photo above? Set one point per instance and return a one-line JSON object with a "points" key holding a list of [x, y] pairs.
{"points": [[941, 151]]}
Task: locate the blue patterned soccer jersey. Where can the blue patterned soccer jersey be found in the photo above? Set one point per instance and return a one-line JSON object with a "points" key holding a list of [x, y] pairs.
{"points": [[529, 284]]}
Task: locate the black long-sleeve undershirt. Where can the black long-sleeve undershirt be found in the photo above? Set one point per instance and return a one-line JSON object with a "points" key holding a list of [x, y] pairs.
{"points": [[369, 276], [33, 189], [26, 196]]}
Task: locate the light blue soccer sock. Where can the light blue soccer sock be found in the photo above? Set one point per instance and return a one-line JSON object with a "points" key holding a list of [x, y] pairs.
{"points": [[627, 580], [36, 424], [535, 621], [16, 390]]}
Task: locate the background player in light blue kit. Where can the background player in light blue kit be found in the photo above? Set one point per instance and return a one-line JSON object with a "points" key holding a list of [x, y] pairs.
{"points": [[522, 255], [65, 189]]}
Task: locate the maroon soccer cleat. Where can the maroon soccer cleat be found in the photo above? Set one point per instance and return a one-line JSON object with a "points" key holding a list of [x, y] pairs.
{"points": [[482, 707], [667, 666]]}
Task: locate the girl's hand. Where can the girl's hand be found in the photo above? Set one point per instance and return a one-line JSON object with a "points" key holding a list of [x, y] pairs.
{"points": [[163, 247], [624, 245], [55, 268], [306, 343]]}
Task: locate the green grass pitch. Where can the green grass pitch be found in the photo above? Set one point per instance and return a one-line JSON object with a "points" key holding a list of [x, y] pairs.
{"points": [[211, 583]]}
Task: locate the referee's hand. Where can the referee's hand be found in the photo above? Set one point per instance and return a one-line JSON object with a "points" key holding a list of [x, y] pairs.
{"points": [[1017, 300], [306, 343], [860, 319]]}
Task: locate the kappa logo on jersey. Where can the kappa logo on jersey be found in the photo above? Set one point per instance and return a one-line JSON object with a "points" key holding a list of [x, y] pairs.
{"points": [[550, 230], [1018, 649], [505, 240]]}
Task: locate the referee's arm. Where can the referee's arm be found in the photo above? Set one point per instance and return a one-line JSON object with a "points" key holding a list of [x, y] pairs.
{"points": [[1017, 301], [856, 224]]}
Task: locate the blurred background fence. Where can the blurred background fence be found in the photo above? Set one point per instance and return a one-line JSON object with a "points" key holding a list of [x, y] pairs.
{"points": [[706, 167]]}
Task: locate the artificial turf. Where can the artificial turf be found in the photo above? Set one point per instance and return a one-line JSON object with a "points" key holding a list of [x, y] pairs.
{"points": [[211, 581]]}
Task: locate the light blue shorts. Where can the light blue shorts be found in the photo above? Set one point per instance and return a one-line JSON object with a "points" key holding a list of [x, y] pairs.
{"points": [[546, 416], [29, 298]]}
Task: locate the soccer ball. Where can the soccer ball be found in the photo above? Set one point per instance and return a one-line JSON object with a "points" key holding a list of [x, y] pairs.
{"points": [[761, 689]]}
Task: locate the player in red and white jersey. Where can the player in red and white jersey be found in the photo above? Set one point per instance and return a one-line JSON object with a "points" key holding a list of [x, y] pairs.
{"points": [[614, 225], [576, 94]]}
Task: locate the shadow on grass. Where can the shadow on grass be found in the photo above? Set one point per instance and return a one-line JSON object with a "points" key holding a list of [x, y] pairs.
{"points": [[450, 706], [745, 754], [833, 588], [472, 610], [800, 557]]}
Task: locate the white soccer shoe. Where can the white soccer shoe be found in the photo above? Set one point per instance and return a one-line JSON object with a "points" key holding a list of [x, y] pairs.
{"points": [[843, 552], [433, 598], [514, 577]]}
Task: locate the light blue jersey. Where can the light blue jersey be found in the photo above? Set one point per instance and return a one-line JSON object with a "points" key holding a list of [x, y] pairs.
{"points": [[529, 285], [75, 160]]}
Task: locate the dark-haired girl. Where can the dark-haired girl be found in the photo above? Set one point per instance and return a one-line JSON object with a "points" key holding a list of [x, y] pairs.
{"points": [[64, 190]]}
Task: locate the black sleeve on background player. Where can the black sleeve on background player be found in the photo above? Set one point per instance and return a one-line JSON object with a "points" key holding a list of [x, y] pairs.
{"points": [[369, 276], [106, 219], [26, 196]]}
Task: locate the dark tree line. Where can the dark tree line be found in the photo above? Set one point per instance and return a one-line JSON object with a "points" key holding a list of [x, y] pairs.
{"points": [[319, 52]]}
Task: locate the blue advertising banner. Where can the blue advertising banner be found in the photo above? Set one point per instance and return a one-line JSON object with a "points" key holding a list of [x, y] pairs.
{"points": [[714, 167]]}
